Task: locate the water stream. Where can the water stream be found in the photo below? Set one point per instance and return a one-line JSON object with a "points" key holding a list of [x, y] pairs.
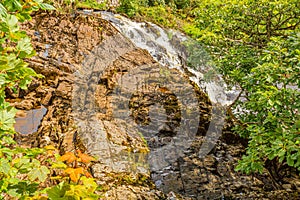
{"points": [[174, 49]]}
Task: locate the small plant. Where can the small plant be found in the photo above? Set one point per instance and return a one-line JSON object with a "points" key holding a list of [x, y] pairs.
{"points": [[75, 180], [130, 8], [71, 5], [21, 172]]}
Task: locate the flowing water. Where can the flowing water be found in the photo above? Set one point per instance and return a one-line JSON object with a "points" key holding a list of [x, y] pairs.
{"points": [[181, 167], [173, 49]]}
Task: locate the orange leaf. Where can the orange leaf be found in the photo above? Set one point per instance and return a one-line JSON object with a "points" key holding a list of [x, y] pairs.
{"points": [[84, 157], [88, 175], [69, 157], [74, 173]]}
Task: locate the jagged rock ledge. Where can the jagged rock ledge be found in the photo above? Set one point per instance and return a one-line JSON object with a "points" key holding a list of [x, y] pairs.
{"points": [[63, 43]]}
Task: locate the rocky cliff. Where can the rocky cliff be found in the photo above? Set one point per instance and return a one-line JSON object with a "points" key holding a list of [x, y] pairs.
{"points": [[92, 104]]}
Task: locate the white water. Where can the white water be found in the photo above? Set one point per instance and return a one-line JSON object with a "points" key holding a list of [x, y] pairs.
{"points": [[163, 46]]}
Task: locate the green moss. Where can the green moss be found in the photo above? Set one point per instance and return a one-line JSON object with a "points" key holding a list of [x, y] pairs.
{"points": [[91, 4]]}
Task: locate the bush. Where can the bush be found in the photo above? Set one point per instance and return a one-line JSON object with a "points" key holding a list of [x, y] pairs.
{"points": [[25, 172], [258, 51]]}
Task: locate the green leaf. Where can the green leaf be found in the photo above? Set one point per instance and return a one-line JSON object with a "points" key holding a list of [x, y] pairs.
{"points": [[23, 16], [7, 118], [290, 161], [59, 165], [34, 152], [89, 183], [22, 164], [46, 6], [7, 140], [3, 11], [13, 5], [4, 27], [22, 188], [24, 47], [272, 155], [270, 102], [12, 22], [4, 166], [57, 192], [39, 173], [3, 79], [25, 82]]}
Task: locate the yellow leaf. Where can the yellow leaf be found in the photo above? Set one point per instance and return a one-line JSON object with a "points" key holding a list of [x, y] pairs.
{"points": [[50, 147]]}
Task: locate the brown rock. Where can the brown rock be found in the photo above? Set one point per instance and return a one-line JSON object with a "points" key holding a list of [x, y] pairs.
{"points": [[63, 90], [46, 100], [287, 186]]}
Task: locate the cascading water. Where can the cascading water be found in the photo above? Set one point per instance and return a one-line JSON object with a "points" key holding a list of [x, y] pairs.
{"points": [[170, 48], [173, 49], [157, 100]]}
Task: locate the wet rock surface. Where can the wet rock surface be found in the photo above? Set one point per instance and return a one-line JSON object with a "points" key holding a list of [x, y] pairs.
{"points": [[63, 42], [213, 177], [68, 45], [27, 122]]}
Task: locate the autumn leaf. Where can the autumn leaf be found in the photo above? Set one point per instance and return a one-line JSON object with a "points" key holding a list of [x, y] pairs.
{"points": [[50, 147], [74, 173], [88, 175], [89, 183], [84, 157], [69, 157], [50, 150]]}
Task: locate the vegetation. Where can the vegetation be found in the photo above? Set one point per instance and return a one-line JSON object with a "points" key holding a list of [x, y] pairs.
{"points": [[28, 173], [255, 45], [15, 46], [69, 5]]}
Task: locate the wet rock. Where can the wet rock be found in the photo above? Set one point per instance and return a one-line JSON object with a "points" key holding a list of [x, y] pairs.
{"points": [[131, 192], [122, 169], [27, 122]]}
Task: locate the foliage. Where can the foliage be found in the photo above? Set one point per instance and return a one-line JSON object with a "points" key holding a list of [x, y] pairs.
{"points": [[25, 172], [128, 7], [76, 181], [88, 4], [255, 45], [66, 191], [272, 118], [71, 5], [20, 169]]}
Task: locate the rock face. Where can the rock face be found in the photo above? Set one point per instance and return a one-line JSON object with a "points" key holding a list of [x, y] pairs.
{"points": [[63, 43], [96, 102]]}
